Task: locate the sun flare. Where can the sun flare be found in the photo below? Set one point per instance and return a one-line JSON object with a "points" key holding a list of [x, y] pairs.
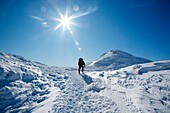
{"points": [[65, 21]]}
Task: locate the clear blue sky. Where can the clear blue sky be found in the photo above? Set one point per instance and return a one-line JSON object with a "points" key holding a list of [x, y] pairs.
{"points": [[139, 27]]}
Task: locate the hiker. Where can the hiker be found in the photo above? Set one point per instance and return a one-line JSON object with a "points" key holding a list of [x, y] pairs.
{"points": [[81, 64]]}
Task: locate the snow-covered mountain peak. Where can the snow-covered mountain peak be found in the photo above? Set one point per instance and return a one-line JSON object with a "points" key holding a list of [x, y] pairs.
{"points": [[115, 53], [116, 59]]}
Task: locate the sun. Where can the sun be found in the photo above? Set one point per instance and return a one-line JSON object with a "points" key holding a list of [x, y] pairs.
{"points": [[65, 21]]}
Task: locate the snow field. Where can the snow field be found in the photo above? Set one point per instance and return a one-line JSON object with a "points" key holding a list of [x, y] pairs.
{"points": [[27, 86]]}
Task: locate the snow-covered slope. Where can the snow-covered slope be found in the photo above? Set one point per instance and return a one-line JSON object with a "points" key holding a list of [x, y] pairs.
{"points": [[141, 88], [116, 59], [27, 86]]}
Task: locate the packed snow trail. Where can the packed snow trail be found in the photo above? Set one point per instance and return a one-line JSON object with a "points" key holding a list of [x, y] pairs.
{"points": [[75, 98], [70, 95]]}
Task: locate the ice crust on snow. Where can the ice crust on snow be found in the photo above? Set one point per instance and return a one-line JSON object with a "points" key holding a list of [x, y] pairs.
{"points": [[27, 86]]}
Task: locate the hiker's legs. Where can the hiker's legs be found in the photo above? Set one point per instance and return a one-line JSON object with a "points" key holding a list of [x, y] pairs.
{"points": [[82, 69], [79, 69]]}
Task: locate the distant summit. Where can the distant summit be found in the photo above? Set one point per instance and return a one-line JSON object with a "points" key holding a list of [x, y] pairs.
{"points": [[116, 59]]}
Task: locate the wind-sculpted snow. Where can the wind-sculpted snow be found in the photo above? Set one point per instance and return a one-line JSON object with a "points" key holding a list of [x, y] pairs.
{"points": [[32, 87], [156, 67], [24, 83], [147, 92]]}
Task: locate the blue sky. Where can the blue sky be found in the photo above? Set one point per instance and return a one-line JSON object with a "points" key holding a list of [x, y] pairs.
{"points": [[139, 27]]}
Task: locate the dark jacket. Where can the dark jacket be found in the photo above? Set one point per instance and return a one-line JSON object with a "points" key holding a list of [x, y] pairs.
{"points": [[81, 62]]}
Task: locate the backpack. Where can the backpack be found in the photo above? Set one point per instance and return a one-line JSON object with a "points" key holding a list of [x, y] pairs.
{"points": [[81, 62]]}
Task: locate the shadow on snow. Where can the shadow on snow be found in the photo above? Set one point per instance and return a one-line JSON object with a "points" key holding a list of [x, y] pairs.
{"points": [[86, 78]]}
